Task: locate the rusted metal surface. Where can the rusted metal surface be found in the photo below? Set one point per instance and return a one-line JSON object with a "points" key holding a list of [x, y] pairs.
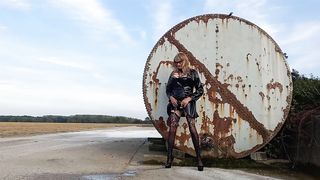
{"points": [[247, 84]]}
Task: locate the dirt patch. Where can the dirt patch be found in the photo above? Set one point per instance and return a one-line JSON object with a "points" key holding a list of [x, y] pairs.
{"points": [[14, 129]]}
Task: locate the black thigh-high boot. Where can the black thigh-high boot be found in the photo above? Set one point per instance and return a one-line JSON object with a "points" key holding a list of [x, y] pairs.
{"points": [[174, 119], [195, 141]]}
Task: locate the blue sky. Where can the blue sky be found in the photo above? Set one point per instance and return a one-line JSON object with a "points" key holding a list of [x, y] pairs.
{"points": [[66, 57]]}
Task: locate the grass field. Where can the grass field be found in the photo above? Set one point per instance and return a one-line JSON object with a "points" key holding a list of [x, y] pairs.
{"points": [[12, 129]]}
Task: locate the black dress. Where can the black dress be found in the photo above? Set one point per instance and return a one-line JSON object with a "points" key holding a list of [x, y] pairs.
{"points": [[182, 87]]}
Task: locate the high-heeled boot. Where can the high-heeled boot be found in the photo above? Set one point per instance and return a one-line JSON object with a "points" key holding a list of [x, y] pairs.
{"points": [[200, 164], [198, 157], [169, 160], [171, 138], [196, 142]]}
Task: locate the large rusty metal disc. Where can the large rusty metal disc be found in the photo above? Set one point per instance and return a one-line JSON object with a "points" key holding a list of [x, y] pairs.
{"points": [[247, 84]]}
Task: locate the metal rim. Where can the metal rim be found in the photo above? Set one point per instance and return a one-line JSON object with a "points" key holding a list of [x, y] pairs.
{"points": [[205, 18]]}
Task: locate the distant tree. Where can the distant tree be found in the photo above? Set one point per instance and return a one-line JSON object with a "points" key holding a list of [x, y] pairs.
{"points": [[73, 119], [306, 91], [147, 118]]}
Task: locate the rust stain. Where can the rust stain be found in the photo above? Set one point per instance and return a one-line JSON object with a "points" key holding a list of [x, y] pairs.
{"points": [[155, 74], [148, 106], [156, 96], [227, 95], [207, 142], [161, 127], [217, 29], [205, 123], [274, 86], [268, 97], [144, 90], [226, 143], [231, 112], [258, 64], [262, 95], [221, 141], [277, 49], [287, 109], [221, 125], [183, 139], [239, 122], [239, 79], [247, 57], [218, 65], [204, 18], [212, 95], [230, 77], [156, 80], [217, 72]]}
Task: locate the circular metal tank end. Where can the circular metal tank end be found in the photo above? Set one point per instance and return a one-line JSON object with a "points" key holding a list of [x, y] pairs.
{"points": [[247, 84]]}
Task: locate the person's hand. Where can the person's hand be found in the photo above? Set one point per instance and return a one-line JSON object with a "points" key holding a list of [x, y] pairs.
{"points": [[185, 101], [173, 101]]}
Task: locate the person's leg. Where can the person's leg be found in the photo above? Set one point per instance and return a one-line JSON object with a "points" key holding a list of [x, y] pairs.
{"points": [[195, 140], [174, 121]]}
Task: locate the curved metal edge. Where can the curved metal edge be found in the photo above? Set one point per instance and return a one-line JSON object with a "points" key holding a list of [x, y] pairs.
{"points": [[206, 17]]}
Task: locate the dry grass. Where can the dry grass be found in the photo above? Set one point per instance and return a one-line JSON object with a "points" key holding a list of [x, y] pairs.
{"points": [[11, 129]]}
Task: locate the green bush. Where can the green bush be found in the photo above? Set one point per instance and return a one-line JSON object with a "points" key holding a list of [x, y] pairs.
{"points": [[306, 92]]}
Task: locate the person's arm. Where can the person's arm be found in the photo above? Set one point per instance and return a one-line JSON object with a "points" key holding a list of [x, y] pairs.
{"points": [[169, 87], [199, 89], [198, 86], [169, 91]]}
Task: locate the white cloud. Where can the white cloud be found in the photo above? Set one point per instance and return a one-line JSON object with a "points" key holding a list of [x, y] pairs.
{"points": [[302, 32], [5, 83], [143, 34], [301, 43], [162, 17], [20, 70], [67, 99], [16, 4], [255, 11], [38, 80], [92, 14], [307, 63], [219, 6], [3, 28], [67, 62]]}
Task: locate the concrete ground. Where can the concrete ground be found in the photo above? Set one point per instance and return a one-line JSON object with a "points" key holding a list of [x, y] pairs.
{"points": [[101, 154]]}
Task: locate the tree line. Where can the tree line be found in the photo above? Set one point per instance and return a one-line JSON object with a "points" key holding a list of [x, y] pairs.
{"points": [[306, 92], [74, 119]]}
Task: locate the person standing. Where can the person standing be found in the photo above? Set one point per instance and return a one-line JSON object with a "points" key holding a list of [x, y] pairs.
{"points": [[183, 89]]}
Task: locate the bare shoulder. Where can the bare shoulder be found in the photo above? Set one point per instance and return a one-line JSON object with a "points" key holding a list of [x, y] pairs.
{"points": [[174, 74]]}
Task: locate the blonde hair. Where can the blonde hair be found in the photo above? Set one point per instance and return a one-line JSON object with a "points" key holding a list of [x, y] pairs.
{"points": [[185, 62]]}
